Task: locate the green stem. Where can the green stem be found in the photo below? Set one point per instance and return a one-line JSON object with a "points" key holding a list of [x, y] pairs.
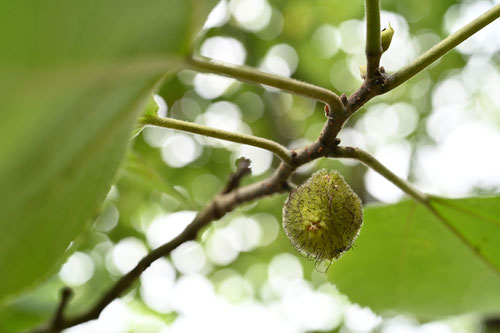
{"points": [[251, 140], [373, 48], [252, 75], [443, 47], [372, 162]]}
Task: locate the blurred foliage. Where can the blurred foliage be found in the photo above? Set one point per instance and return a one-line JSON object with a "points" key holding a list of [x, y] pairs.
{"points": [[146, 186]]}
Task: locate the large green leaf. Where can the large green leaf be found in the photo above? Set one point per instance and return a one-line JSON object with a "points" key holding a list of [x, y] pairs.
{"points": [[73, 77], [429, 264]]}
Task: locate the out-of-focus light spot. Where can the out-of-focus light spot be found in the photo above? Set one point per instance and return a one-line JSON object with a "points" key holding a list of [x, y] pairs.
{"points": [[180, 149], [435, 327], [274, 28], [236, 289], [250, 232], [188, 106], [287, 53], [156, 136], [222, 246], [426, 39], [269, 228], [156, 285], [261, 159], [186, 76], [313, 311], [164, 228], [444, 170], [117, 317], [400, 325], [326, 41], [192, 295], [450, 92], [225, 116], [224, 49], [218, 16], [257, 274], [162, 105], [486, 40], [252, 106], [210, 86], [127, 254], [352, 36], [77, 270], [253, 15], [222, 115], [189, 258], [361, 319], [342, 78], [108, 219], [284, 269], [396, 155], [420, 89], [384, 123], [275, 65]]}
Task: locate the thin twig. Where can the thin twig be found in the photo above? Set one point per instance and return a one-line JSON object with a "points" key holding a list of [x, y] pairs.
{"points": [[252, 75], [372, 162], [57, 323], [373, 49], [251, 140], [443, 47], [243, 169]]}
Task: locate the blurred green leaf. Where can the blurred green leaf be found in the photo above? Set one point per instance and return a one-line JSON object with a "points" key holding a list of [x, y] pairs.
{"points": [[407, 259], [73, 77]]}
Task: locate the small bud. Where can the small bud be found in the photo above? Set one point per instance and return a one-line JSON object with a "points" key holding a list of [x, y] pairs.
{"points": [[386, 37], [322, 217], [362, 71]]}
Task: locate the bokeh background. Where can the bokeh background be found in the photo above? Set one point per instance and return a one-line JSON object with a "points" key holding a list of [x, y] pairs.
{"points": [[440, 130]]}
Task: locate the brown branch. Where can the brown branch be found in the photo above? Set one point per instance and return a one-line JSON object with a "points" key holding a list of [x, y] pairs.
{"points": [[58, 321], [242, 169], [220, 205]]}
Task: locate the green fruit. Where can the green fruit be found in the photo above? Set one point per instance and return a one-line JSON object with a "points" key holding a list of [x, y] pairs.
{"points": [[386, 37], [322, 216]]}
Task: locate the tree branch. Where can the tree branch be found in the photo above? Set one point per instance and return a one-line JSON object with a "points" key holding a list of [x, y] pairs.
{"points": [[373, 48], [251, 140], [372, 162], [443, 47], [252, 75]]}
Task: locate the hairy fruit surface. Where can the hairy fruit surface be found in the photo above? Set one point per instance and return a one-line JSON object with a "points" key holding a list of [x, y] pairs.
{"points": [[322, 216]]}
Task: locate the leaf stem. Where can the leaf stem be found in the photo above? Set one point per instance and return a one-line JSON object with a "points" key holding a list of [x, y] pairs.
{"points": [[251, 140], [443, 47], [373, 49], [372, 162], [252, 75]]}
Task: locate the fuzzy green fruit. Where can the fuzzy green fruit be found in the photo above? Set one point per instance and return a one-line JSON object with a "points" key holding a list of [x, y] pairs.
{"points": [[322, 216]]}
